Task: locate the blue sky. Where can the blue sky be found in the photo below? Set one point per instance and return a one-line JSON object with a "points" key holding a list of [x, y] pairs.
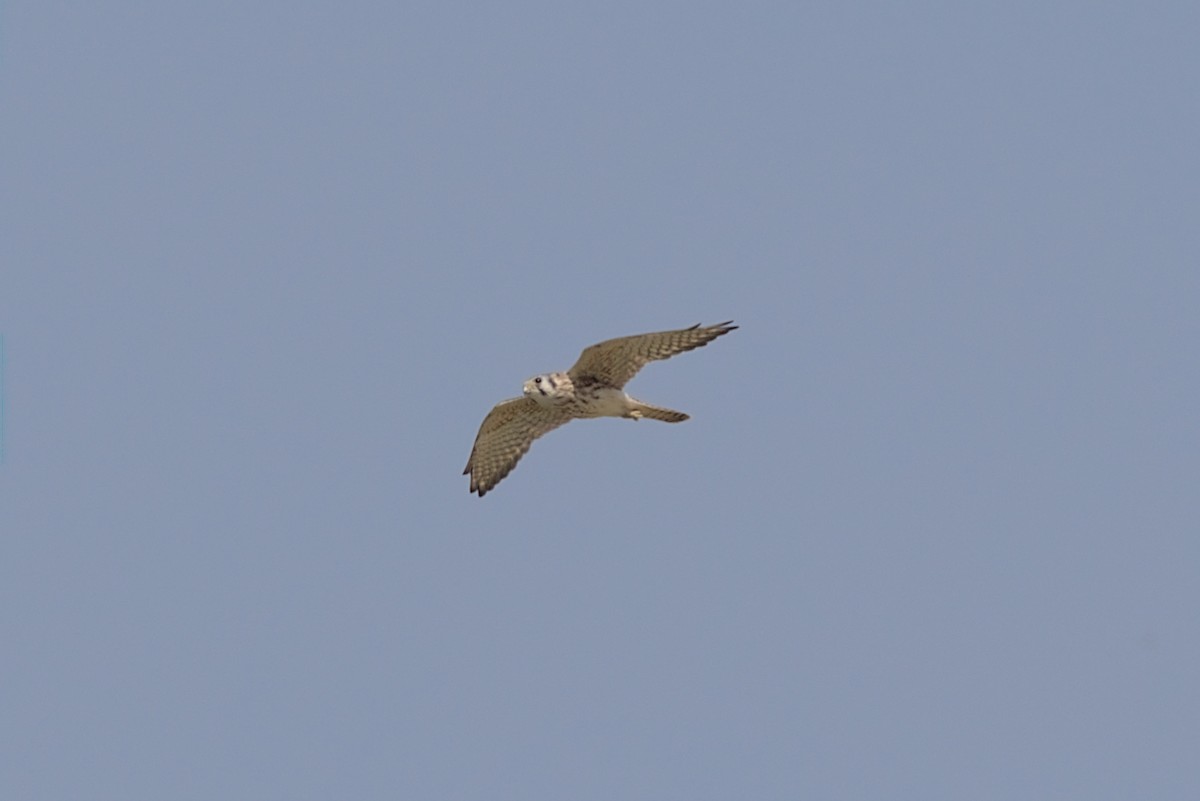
{"points": [[930, 532]]}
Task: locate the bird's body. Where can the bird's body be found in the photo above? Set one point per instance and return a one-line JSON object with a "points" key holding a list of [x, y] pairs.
{"points": [[593, 387], [587, 398]]}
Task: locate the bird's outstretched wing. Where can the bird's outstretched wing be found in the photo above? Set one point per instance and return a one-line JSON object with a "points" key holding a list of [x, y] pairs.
{"points": [[615, 361], [505, 436]]}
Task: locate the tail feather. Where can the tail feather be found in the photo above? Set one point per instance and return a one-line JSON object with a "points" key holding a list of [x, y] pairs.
{"points": [[659, 413]]}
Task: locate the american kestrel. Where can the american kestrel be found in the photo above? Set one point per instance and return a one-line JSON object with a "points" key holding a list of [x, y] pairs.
{"points": [[592, 388]]}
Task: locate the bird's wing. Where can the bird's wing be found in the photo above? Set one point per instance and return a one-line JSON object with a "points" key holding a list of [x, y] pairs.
{"points": [[505, 436], [615, 361]]}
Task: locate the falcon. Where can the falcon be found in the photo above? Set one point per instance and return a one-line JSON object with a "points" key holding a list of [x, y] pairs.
{"points": [[594, 387]]}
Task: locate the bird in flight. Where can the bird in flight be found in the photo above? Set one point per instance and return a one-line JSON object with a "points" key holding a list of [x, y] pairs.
{"points": [[594, 387]]}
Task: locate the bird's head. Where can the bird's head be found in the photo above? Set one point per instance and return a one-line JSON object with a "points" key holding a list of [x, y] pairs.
{"points": [[548, 389]]}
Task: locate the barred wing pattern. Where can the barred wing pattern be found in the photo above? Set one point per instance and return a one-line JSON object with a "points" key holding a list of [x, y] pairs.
{"points": [[615, 361], [505, 436]]}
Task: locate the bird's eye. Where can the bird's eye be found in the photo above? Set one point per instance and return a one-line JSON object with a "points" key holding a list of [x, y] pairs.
{"points": [[537, 380]]}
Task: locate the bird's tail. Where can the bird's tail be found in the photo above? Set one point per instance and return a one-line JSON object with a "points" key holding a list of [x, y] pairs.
{"points": [[658, 412]]}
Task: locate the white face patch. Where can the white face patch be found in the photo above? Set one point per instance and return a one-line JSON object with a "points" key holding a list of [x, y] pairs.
{"points": [[540, 389]]}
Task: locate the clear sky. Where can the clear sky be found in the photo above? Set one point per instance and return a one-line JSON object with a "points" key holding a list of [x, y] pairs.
{"points": [[931, 532]]}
